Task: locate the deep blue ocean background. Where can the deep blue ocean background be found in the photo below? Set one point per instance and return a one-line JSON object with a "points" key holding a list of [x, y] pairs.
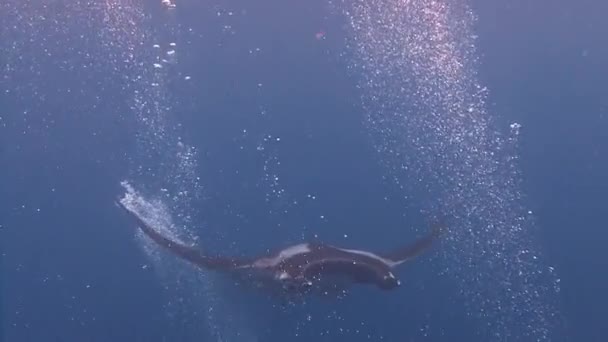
{"points": [[73, 270]]}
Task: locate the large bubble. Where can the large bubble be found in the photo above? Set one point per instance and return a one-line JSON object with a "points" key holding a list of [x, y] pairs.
{"points": [[416, 66]]}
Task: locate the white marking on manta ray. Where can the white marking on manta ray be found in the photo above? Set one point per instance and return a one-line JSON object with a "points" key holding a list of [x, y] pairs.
{"points": [[284, 254], [389, 262]]}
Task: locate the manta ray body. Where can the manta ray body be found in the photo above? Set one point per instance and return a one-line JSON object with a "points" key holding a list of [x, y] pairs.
{"points": [[302, 267]]}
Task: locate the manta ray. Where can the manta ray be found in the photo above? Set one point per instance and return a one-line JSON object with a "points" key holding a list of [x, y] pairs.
{"points": [[302, 267]]}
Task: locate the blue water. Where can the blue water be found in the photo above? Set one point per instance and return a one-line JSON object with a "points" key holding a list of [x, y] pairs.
{"points": [[258, 135]]}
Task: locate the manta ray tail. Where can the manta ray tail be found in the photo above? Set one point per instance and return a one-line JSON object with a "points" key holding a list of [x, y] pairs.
{"points": [[406, 253], [185, 252]]}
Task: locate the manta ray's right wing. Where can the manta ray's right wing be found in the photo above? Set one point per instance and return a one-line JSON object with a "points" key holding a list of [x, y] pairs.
{"points": [[185, 252], [406, 253]]}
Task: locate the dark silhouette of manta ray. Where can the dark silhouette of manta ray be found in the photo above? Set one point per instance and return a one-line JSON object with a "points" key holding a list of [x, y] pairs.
{"points": [[302, 267]]}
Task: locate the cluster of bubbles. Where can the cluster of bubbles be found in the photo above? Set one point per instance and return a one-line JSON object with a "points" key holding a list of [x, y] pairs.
{"points": [[142, 61], [42, 40], [275, 195], [415, 61], [164, 165]]}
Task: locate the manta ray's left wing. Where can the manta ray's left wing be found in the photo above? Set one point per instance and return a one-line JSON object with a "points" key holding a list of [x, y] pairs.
{"points": [[185, 252], [406, 253]]}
